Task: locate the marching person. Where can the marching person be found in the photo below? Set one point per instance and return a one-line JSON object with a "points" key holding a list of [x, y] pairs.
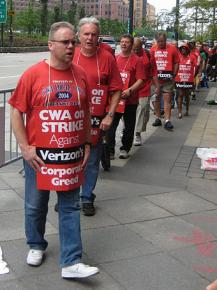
{"points": [[194, 50], [132, 72], [143, 109], [167, 59], [54, 141], [184, 80], [104, 82]]}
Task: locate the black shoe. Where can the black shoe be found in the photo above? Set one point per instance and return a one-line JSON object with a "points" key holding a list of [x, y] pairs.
{"points": [[157, 123], [88, 209], [193, 97], [56, 207], [168, 126]]}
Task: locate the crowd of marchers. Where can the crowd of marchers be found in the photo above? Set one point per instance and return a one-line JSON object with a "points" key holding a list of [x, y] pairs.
{"points": [[78, 94]]}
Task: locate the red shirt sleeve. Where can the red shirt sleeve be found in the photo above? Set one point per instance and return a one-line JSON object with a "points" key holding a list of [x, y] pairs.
{"points": [[175, 55], [153, 66], [140, 69], [20, 98], [115, 82]]}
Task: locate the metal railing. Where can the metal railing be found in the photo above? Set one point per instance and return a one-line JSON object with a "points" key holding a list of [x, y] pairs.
{"points": [[9, 149]]}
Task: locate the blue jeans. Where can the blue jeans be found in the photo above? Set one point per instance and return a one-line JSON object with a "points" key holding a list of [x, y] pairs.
{"points": [[36, 208], [91, 173]]}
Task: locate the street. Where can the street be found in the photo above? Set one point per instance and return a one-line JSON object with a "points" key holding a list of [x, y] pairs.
{"points": [[12, 65]]}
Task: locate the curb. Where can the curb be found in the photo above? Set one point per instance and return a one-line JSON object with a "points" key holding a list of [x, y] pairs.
{"points": [[23, 49]]}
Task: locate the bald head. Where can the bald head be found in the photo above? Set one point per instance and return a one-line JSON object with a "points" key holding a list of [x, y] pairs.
{"points": [[137, 46]]}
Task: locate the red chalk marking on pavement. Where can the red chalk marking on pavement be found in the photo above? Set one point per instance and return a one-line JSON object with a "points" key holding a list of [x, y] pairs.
{"points": [[207, 250], [198, 237], [202, 242], [204, 269]]}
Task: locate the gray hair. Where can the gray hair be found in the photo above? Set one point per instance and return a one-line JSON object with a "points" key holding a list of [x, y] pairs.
{"points": [[88, 20], [58, 25]]}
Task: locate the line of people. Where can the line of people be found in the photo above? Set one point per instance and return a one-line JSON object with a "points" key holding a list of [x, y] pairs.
{"points": [[69, 100]]}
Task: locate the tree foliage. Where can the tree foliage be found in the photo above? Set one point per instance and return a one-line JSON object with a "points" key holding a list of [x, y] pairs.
{"points": [[44, 16], [27, 20], [112, 27]]}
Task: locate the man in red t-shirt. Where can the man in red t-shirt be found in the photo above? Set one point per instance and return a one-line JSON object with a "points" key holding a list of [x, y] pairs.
{"points": [[132, 71], [150, 67], [167, 59], [55, 141], [104, 82]]}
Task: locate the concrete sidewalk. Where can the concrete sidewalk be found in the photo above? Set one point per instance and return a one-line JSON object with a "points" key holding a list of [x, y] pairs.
{"points": [[156, 221]]}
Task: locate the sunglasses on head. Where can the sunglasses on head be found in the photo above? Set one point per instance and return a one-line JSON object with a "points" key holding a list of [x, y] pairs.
{"points": [[66, 42]]}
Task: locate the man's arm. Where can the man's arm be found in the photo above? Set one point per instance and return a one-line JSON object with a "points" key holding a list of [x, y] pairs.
{"points": [[136, 86], [175, 69], [107, 120], [28, 151], [156, 84]]}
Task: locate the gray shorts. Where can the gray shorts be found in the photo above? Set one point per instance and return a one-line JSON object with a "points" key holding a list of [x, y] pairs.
{"points": [[167, 87]]}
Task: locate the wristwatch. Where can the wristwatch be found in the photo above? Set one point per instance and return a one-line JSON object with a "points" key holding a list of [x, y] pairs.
{"points": [[110, 114]]}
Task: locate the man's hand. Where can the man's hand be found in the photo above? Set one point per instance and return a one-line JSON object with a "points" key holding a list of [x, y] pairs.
{"points": [[86, 155], [157, 90], [29, 154], [126, 94], [106, 123]]}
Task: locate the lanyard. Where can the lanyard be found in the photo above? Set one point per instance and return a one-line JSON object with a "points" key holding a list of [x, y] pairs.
{"points": [[129, 57], [49, 81]]}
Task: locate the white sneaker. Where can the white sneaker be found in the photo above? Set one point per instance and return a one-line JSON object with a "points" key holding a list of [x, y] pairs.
{"points": [[79, 270], [137, 140], [35, 257], [123, 154]]}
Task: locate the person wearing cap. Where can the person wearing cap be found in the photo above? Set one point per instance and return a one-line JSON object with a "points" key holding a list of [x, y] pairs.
{"points": [[184, 80]]}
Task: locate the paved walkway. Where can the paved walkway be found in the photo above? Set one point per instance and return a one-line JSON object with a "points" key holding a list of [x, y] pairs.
{"points": [[156, 221]]}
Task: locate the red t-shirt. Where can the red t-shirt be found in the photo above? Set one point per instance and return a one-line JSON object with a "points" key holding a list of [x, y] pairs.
{"points": [[108, 70], [34, 88], [186, 70], [165, 60], [196, 53], [106, 47], [134, 66], [150, 68]]}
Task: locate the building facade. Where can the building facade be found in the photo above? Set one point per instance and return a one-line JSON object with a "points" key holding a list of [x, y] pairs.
{"points": [[151, 14], [107, 9]]}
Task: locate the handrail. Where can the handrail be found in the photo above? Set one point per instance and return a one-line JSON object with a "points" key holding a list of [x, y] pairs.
{"points": [[9, 149]]}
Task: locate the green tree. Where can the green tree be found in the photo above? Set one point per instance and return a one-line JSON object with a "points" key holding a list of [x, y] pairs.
{"points": [[204, 9], [81, 12], [44, 16], [72, 12], [27, 20], [112, 27], [56, 13]]}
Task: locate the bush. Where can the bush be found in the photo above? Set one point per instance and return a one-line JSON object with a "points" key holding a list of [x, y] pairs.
{"points": [[22, 40]]}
